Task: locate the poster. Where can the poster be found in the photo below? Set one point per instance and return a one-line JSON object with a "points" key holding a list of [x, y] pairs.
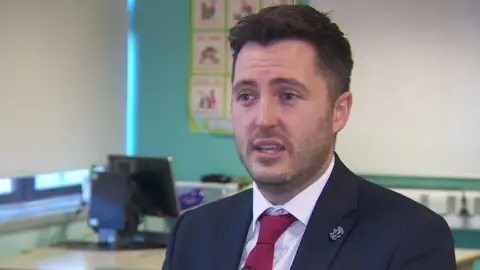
{"points": [[206, 99], [209, 52], [209, 14], [228, 98], [266, 3], [209, 93], [241, 8], [229, 57]]}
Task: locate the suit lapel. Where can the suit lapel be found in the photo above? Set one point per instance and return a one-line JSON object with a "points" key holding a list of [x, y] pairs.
{"points": [[334, 213], [232, 233]]}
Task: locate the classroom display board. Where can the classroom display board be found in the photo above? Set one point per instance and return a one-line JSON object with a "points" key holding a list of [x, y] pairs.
{"points": [[209, 90]]}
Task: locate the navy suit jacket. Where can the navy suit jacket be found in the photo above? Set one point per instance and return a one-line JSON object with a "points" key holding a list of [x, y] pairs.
{"points": [[382, 230]]}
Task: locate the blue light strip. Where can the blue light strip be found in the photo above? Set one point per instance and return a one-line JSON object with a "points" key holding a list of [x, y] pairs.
{"points": [[131, 83], [131, 6]]}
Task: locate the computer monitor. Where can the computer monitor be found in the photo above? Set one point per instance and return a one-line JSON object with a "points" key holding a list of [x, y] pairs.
{"points": [[153, 178], [130, 189], [109, 206]]}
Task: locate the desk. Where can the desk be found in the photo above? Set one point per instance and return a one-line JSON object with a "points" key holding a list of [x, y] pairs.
{"points": [[62, 259], [466, 258]]}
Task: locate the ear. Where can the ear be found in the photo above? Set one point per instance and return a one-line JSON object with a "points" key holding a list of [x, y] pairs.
{"points": [[341, 111]]}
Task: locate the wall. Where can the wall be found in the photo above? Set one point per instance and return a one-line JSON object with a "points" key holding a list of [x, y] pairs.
{"points": [[162, 30], [415, 86], [63, 89], [162, 36]]}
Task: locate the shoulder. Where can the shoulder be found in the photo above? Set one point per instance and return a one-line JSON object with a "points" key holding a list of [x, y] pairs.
{"points": [[206, 219], [378, 205], [395, 209], [216, 208], [410, 228], [421, 238]]}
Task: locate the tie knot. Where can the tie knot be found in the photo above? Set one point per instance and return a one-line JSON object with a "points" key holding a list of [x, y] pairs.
{"points": [[272, 227]]}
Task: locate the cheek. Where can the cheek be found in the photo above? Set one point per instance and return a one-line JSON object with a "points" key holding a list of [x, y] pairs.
{"points": [[241, 125], [308, 129]]}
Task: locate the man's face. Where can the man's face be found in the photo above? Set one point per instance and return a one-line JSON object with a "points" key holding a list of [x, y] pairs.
{"points": [[284, 121]]}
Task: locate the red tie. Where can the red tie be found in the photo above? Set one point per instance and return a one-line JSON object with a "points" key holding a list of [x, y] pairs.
{"points": [[271, 228]]}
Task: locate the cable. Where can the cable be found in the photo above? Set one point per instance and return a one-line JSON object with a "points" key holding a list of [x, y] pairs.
{"points": [[464, 213]]}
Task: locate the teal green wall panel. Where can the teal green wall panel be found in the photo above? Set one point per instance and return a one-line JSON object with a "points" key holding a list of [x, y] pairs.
{"points": [[425, 182], [467, 238]]}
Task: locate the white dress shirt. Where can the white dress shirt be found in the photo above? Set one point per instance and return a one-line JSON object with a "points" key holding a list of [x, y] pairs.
{"points": [[301, 206]]}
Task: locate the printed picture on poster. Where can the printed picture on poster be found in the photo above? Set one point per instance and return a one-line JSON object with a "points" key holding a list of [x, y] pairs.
{"points": [[267, 3], [228, 98], [208, 14], [206, 97], [241, 8], [209, 52], [228, 57]]}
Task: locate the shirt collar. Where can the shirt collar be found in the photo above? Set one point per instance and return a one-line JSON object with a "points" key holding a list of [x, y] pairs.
{"points": [[300, 206]]}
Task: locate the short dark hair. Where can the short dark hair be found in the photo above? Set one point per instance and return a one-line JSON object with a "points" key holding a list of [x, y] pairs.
{"points": [[299, 22]]}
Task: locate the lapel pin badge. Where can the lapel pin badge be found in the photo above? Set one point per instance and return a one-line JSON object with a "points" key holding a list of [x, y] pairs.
{"points": [[336, 233]]}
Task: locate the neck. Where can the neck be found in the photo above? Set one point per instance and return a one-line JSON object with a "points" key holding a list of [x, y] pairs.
{"points": [[281, 193]]}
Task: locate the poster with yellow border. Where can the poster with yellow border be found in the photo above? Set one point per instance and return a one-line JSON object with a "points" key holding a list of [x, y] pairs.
{"points": [[209, 93]]}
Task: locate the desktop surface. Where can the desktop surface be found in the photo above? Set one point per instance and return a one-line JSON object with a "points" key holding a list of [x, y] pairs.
{"points": [[55, 258]]}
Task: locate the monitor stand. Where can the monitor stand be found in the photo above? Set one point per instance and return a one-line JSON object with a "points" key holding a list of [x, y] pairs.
{"points": [[109, 240]]}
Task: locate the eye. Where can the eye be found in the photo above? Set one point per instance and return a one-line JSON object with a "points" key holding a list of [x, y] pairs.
{"points": [[244, 97], [288, 96]]}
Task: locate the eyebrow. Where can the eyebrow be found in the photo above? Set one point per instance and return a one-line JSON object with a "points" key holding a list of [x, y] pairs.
{"points": [[291, 82], [240, 83], [280, 80]]}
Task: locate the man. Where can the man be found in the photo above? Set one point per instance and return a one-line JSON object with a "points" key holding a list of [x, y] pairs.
{"points": [[306, 210]]}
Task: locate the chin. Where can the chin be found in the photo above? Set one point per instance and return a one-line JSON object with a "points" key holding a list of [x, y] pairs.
{"points": [[267, 172], [269, 176]]}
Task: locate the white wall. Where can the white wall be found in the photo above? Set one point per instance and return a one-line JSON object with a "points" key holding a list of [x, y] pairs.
{"points": [[63, 70], [416, 86]]}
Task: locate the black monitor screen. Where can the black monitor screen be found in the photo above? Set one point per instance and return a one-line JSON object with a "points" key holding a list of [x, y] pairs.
{"points": [[152, 179], [107, 207]]}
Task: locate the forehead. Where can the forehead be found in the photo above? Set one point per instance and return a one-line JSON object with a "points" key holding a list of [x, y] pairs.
{"points": [[289, 58]]}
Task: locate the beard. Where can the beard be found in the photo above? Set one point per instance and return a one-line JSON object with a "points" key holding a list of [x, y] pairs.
{"points": [[303, 162]]}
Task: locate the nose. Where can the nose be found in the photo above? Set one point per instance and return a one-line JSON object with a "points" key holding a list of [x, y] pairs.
{"points": [[268, 113]]}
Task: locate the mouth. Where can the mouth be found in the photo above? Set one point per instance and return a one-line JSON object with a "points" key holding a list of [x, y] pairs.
{"points": [[268, 147]]}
